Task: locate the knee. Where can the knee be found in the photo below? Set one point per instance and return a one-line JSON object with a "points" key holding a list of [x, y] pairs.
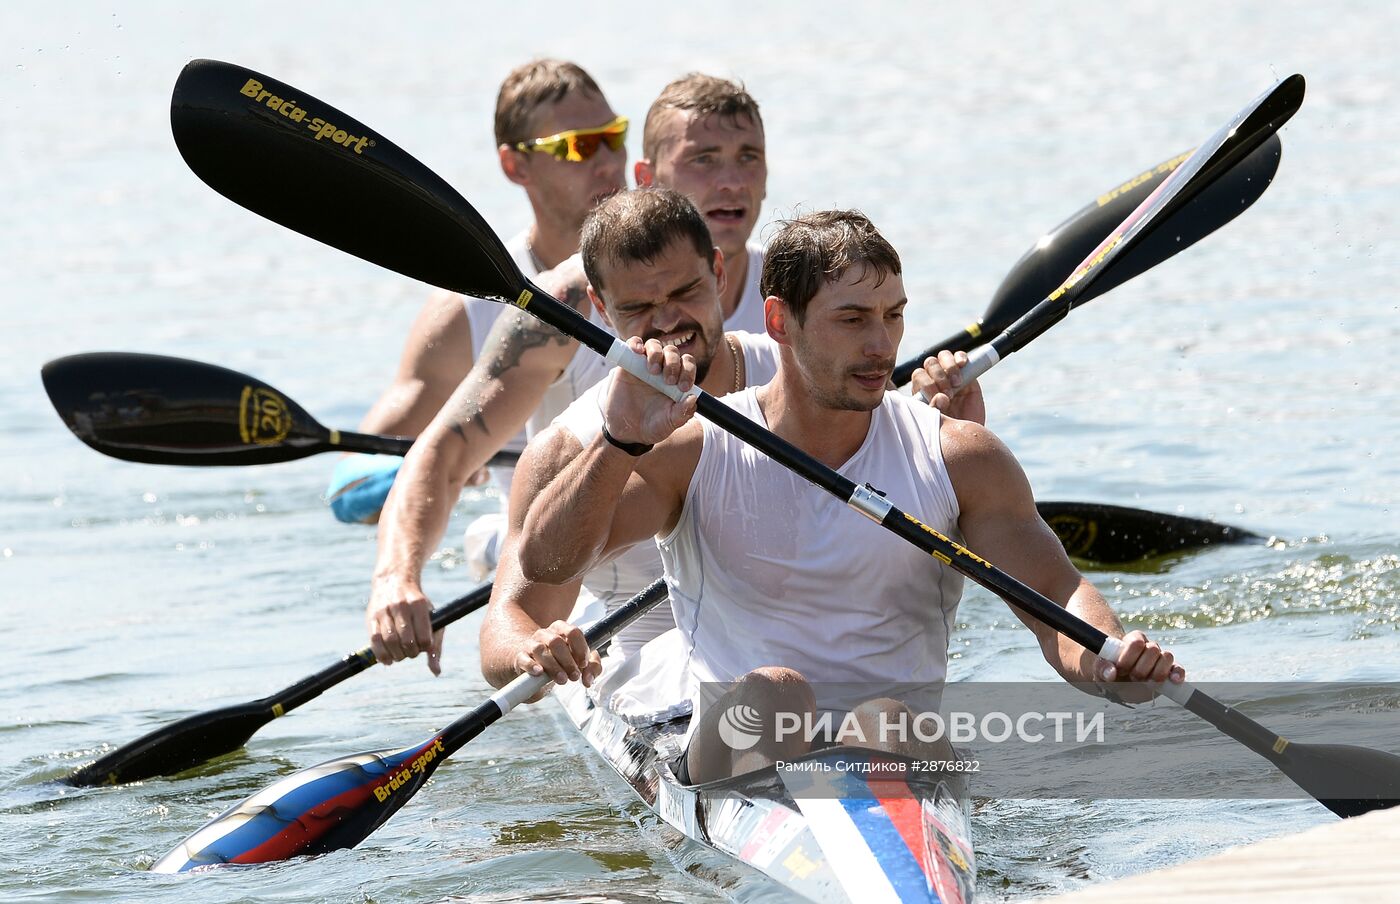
{"points": [[883, 706], [880, 721], [777, 685], [881, 712]]}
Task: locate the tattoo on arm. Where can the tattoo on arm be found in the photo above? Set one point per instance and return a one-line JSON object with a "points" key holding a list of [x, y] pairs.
{"points": [[469, 413], [516, 333], [513, 334]]}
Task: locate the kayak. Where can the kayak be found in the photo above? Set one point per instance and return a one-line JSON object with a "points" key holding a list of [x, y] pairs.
{"points": [[840, 824]]}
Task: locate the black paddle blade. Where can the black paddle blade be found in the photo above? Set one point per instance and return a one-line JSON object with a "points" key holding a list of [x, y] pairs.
{"points": [[1114, 534], [1247, 131], [1043, 268], [1347, 780], [333, 179], [161, 410], [324, 808], [176, 747], [1217, 155]]}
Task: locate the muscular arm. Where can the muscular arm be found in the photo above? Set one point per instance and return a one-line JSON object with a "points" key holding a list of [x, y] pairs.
{"points": [[521, 609], [520, 359], [999, 521], [603, 500]]}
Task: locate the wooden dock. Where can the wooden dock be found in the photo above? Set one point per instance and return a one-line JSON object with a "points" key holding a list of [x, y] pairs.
{"points": [[1349, 860]]}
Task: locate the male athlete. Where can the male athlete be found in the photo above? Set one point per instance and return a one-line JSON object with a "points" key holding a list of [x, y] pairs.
{"points": [[652, 271], [777, 588], [558, 139], [705, 134], [649, 275]]}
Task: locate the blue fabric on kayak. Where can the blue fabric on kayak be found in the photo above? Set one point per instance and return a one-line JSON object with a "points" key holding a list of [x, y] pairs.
{"points": [[359, 485]]}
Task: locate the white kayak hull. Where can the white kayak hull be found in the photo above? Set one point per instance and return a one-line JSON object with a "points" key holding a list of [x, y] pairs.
{"points": [[840, 824]]}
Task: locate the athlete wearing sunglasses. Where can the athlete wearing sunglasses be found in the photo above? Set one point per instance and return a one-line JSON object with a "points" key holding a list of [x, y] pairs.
{"points": [[706, 135], [542, 97]]}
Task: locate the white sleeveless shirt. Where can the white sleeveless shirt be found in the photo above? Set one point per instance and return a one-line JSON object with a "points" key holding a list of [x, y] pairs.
{"points": [[629, 572], [765, 569], [587, 367]]}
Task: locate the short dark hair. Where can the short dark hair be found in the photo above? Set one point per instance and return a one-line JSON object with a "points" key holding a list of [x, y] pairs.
{"points": [[703, 95], [818, 248], [639, 225], [531, 86]]}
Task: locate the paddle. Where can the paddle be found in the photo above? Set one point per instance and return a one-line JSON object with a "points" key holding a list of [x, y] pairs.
{"points": [[199, 738], [166, 410], [1219, 154], [223, 116], [338, 803], [172, 411], [1040, 269], [138, 407], [1096, 532], [154, 408]]}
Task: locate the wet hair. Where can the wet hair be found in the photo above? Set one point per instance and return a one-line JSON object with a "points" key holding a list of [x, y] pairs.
{"points": [[818, 248], [639, 225], [531, 86], [703, 95]]}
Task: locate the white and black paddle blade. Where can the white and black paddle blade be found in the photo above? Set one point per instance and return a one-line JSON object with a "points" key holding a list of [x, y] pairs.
{"points": [[334, 805]]}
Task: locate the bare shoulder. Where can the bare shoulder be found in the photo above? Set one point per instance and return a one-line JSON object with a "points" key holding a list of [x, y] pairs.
{"points": [[980, 466], [685, 442], [520, 341], [437, 354], [570, 270], [968, 443]]}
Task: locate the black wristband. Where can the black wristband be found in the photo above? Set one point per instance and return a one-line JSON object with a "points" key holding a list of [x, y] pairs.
{"points": [[636, 450]]}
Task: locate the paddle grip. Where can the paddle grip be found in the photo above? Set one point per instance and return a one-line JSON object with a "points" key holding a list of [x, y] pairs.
{"points": [[518, 691], [620, 354], [979, 361], [964, 341], [1019, 334], [1177, 693], [595, 634]]}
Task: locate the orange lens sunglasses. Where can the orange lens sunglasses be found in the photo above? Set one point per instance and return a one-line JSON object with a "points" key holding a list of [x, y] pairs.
{"points": [[579, 144]]}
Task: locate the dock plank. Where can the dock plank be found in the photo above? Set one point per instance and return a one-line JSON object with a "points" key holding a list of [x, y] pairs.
{"points": [[1349, 860]]}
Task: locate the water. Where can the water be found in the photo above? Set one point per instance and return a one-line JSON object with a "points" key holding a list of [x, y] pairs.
{"points": [[1248, 380]]}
